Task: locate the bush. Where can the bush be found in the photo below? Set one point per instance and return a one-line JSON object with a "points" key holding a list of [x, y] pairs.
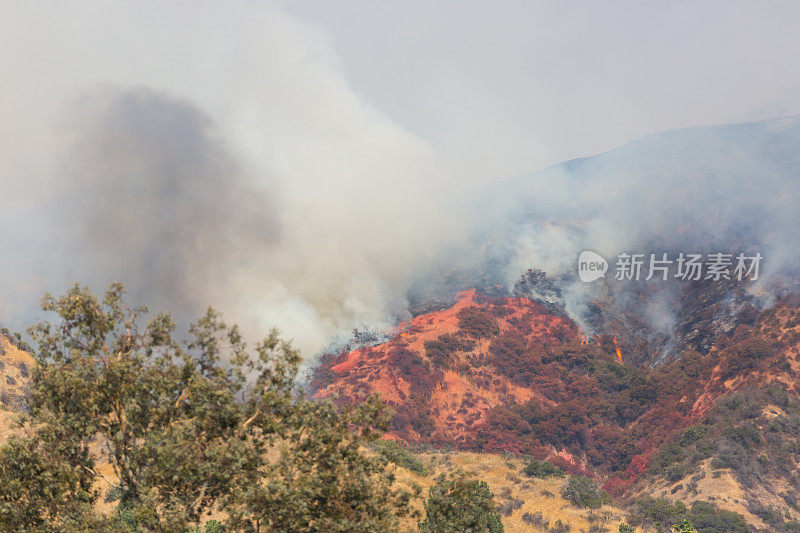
{"points": [[509, 506], [460, 504], [542, 469], [536, 520], [684, 526], [400, 456], [656, 512], [582, 491], [441, 350], [215, 526], [703, 517], [477, 323], [708, 519]]}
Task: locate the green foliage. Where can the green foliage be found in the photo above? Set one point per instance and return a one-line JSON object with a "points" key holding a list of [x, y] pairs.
{"points": [[401, 456], [708, 519], [542, 469], [684, 526], [703, 517], [460, 504], [582, 491], [659, 513], [185, 433], [214, 526], [41, 488], [736, 434], [626, 528], [693, 434]]}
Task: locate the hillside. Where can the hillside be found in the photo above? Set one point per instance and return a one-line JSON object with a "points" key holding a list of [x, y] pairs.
{"points": [[510, 375], [15, 367], [525, 503], [445, 370], [504, 379]]}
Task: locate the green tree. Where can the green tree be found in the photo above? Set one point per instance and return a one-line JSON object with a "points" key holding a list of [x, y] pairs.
{"points": [[189, 428], [40, 490], [461, 505]]}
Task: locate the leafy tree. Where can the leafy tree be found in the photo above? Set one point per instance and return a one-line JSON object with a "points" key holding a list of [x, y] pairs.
{"points": [[189, 428], [459, 505], [40, 489]]}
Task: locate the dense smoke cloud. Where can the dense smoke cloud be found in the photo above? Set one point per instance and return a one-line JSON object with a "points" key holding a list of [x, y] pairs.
{"points": [[263, 186], [229, 155], [157, 201]]}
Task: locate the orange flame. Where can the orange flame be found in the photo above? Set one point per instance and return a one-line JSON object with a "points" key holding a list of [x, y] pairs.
{"points": [[616, 347]]}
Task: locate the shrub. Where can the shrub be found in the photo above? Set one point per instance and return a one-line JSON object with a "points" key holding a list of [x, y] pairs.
{"points": [[510, 358], [215, 526], [441, 350], [400, 456], [542, 469], [684, 526], [536, 520], [509, 506], [708, 519], [460, 504], [559, 527], [656, 512], [477, 323], [703, 517], [693, 434], [582, 491]]}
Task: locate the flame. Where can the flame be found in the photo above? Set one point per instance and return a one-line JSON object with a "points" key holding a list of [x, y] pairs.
{"points": [[616, 347]]}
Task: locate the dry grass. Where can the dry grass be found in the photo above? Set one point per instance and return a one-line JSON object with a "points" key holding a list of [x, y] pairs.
{"points": [[717, 486], [15, 368], [504, 477]]}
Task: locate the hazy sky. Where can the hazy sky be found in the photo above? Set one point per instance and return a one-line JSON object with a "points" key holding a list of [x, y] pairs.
{"points": [[504, 88], [137, 139]]}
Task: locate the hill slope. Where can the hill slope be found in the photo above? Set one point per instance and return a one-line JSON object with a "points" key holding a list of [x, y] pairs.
{"points": [[503, 374]]}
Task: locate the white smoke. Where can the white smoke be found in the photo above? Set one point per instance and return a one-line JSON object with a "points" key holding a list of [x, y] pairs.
{"points": [[210, 153], [213, 159]]}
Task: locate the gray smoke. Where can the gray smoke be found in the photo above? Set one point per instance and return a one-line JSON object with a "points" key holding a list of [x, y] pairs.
{"points": [[157, 200], [721, 189], [305, 175]]}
